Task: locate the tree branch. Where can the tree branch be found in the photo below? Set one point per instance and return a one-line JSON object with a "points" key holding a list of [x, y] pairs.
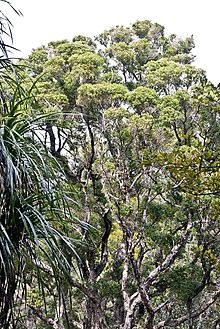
{"points": [[169, 259]]}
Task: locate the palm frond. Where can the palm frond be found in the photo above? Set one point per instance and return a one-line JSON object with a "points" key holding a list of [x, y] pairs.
{"points": [[35, 204], [6, 31]]}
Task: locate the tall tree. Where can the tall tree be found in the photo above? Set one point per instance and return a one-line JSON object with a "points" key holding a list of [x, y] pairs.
{"points": [[137, 136]]}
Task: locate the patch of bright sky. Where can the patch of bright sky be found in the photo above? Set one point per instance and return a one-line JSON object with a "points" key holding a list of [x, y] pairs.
{"points": [[49, 20]]}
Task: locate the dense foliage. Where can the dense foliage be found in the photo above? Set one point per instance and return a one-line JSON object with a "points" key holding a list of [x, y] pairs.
{"points": [[136, 136], [36, 202]]}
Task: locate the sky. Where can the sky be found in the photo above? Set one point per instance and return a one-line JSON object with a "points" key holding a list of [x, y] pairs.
{"points": [[49, 20]]}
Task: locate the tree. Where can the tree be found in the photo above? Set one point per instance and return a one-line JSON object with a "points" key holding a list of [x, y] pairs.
{"points": [[137, 137]]}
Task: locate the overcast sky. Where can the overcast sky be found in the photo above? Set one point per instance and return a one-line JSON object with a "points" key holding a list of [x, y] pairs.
{"points": [[47, 20]]}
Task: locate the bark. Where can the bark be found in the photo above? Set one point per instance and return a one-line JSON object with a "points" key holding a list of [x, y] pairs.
{"points": [[153, 276], [94, 317], [49, 130]]}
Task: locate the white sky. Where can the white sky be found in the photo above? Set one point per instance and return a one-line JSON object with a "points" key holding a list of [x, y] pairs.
{"points": [[49, 20]]}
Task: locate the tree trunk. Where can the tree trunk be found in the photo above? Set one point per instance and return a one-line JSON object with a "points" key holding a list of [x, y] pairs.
{"points": [[94, 316]]}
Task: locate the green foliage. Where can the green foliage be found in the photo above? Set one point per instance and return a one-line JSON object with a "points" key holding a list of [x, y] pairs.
{"points": [[34, 202], [103, 95], [184, 280], [135, 135], [142, 99]]}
